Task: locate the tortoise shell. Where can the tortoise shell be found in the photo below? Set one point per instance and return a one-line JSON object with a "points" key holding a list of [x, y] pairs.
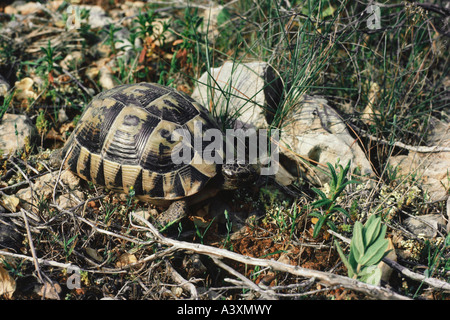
{"points": [[123, 140]]}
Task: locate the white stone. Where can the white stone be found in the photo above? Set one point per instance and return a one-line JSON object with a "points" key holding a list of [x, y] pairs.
{"points": [[432, 169], [313, 131], [16, 131], [238, 90]]}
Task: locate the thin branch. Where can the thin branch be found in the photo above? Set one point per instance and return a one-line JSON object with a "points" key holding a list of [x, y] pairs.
{"points": [[420, 149], [265, 294], [186, 285], [30, 242], [327, 278], [39, 260]]}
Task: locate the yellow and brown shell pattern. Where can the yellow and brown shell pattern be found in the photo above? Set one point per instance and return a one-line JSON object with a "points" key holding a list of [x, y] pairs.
{"points": [[124, 140]]}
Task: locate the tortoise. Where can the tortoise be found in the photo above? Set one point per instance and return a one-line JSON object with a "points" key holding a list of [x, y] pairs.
{"points": [[123, 141]]}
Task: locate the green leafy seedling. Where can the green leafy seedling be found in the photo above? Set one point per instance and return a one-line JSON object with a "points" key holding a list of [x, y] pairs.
{"points": [[367, 248], [326, 206]]}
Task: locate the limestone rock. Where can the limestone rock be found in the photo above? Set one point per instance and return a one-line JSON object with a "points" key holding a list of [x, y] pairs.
{"points": [[249, 92], [98, 18], [16, 132], [425, 225], [4, 86], [70, 200], [432, 168], [42, 188], [23, 7], [315, 132]]}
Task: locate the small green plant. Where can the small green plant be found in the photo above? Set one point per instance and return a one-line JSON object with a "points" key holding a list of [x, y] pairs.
{"points": [[13, 269], [130, 196], [295, 214], [188, 54], [438, 263], [367, 248], [199, 233], [5, 105], [326, 206], [144, 21], [229, 226], [47, 64], [111, 38], [68, 245], [109, 211], [42, 125]]}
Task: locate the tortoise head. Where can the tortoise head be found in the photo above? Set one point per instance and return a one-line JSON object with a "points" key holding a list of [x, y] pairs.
{"points": [[237, 175]]}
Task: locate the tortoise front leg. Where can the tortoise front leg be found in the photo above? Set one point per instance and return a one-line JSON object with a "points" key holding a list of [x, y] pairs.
{"points": [[176, 211]]}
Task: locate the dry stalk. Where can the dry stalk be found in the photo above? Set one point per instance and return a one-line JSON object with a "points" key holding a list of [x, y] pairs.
{"points": [[186, 285], [324, 277], [265, 294]]}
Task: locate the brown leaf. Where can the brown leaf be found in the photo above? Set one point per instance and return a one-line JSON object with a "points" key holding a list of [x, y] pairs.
{"points": [[52, 134], [177, 42], [126, 259], [7, 284], [50, 291], [142, 55], [9, 202], [65, 127]]}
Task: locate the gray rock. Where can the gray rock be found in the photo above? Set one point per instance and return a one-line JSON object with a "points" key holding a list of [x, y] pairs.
{"points": [[432, 168], [426, 225], [315, 132], [4, 87], [16, 131], [98, 18], [249, 92]]}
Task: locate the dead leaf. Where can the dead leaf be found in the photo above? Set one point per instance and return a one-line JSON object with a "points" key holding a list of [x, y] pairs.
{"points": [[181, 56], [50, 291], [177, 42], [126, 259], [200, 221], [7, 284], [184, 89], [50, 78], [142, 55], [52, 134], [66, 127], [10, 202], [94, 254]]}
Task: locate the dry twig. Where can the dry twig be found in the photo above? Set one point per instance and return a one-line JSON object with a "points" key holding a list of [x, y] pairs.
{"points": [[324, 277], [265, 294]]}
